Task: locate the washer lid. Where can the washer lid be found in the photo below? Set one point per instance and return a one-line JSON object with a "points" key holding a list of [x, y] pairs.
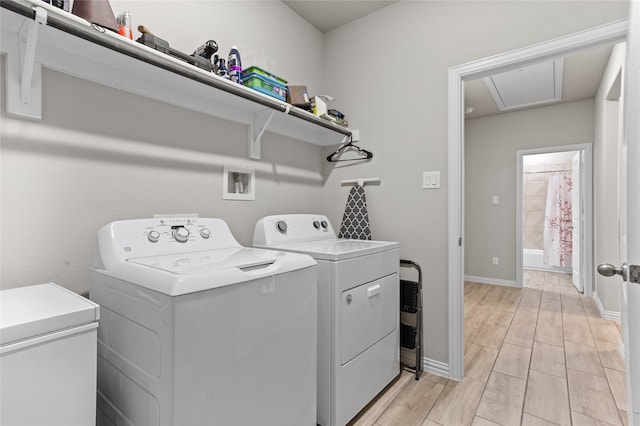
{"points": [[337, 249], [184, 273], [27, 312], [201, 262]]}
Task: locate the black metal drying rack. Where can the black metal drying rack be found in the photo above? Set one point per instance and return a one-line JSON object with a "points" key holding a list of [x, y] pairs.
{"points": [[411, 303]]}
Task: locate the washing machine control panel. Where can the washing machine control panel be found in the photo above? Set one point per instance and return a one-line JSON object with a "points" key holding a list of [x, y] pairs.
{"points": [[157, 236], [181, 231]]}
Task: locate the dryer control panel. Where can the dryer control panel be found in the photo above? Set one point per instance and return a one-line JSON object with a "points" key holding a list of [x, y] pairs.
{"points": [[292, 228]]}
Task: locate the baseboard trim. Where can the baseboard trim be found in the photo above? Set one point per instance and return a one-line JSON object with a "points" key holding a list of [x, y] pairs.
{"points": [[494, 281], [548, 269], [435, 367], [608, 315]]}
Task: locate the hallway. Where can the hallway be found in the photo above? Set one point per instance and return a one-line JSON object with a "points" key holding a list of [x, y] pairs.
{"points": [[541, 355]]}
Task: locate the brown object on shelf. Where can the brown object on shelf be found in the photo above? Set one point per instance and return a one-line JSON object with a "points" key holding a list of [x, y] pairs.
{"points": [[144, 30], [96, 11], [298, 96]]}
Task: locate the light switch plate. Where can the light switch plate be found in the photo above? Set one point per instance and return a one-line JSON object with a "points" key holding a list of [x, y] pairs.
{"points": [[430, 180]]}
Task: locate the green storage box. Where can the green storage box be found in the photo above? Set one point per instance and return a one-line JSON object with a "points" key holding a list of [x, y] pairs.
{"points": [[259, 71]]}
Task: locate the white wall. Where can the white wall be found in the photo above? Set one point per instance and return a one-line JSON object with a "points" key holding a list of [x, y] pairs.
{"points": [[490, 169], [100, 155], [606, 197], [388, 72], [62, 179]]}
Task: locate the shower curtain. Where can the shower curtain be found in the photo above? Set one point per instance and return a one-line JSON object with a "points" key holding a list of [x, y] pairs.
{"points": [[558, 221]]}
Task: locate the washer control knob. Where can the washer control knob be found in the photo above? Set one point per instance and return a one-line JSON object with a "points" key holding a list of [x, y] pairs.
{"points": [[205, 233], [153, 236], [316, 224], [281, 225], [181, 234], [324, 224]]}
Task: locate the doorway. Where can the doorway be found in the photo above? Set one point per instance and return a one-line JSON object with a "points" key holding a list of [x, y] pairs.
{"points": [[616, 31], [554, 214]]}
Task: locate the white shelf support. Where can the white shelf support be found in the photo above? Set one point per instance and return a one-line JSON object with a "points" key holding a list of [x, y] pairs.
{"points": [[24, 91], [28, 40], [259, 125]]}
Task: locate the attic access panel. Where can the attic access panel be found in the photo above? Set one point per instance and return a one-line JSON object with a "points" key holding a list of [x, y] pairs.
{"points": [[531, 85]]}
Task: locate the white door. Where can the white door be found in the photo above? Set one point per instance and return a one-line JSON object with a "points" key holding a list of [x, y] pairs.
{"points": [[576, 216], [630, 216], [632, 235]]}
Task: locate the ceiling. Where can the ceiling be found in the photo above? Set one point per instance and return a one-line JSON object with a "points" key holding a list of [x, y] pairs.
{"points": [[327, 15], [582, 71]]}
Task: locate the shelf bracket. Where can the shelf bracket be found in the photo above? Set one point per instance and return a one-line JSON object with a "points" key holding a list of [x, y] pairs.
{"points": [[24, 97], [257, 128]]}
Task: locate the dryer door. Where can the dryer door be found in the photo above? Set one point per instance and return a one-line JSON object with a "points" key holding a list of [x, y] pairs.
{"points": [[369, 313]]}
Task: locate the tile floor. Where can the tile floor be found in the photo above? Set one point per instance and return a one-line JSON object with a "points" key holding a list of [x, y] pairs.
{"points": [[540, 355]]}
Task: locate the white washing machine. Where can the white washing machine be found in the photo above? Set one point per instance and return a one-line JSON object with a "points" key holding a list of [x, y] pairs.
{"points": [[197, 330], [358, 310]]}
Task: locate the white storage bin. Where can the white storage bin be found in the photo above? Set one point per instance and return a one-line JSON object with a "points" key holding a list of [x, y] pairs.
{"points": [[47, 357]]}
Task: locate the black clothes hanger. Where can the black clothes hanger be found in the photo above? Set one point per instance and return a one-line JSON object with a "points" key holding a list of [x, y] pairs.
{"points": [[349, 146]]}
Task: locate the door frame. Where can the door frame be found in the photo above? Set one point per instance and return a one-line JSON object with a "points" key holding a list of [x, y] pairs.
{"points": [[612, 32], [586, 198]]}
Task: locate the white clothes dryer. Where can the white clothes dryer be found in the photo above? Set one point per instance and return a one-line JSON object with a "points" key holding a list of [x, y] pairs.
{"points": [[196, 329], [358, 310]]}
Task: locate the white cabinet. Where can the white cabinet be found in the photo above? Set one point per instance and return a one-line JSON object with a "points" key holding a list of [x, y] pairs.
{"points": [[35, 34]]}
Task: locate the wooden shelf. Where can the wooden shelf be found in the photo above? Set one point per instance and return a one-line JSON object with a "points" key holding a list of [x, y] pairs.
{"points": [[71, 45]]}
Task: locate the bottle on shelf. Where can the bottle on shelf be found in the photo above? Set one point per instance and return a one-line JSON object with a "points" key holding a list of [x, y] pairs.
{"points": [[221, 69], [235, 65], [124, 25]]}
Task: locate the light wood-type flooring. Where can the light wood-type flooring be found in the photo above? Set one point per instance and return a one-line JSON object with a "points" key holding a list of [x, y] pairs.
{"points": [[535, 356]]}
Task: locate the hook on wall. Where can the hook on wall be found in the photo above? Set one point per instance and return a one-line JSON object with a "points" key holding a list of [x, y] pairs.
{"points": [[361, 181]]}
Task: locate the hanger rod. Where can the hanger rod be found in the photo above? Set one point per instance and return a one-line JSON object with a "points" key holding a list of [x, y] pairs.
{"points": [[360, 181]]}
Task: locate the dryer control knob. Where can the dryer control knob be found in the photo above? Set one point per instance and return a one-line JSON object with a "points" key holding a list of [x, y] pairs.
{"points": [[153, 236], [205, 232], [181, 234], [324, 224], [281, 225], [316, 224]]}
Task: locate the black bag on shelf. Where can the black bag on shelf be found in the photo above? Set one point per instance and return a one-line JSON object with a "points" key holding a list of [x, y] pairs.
{"points": [[409, 296], [407, 336]]}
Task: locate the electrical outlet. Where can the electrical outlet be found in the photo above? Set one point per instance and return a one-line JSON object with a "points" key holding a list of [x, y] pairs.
{"points": [[496, 260]]}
